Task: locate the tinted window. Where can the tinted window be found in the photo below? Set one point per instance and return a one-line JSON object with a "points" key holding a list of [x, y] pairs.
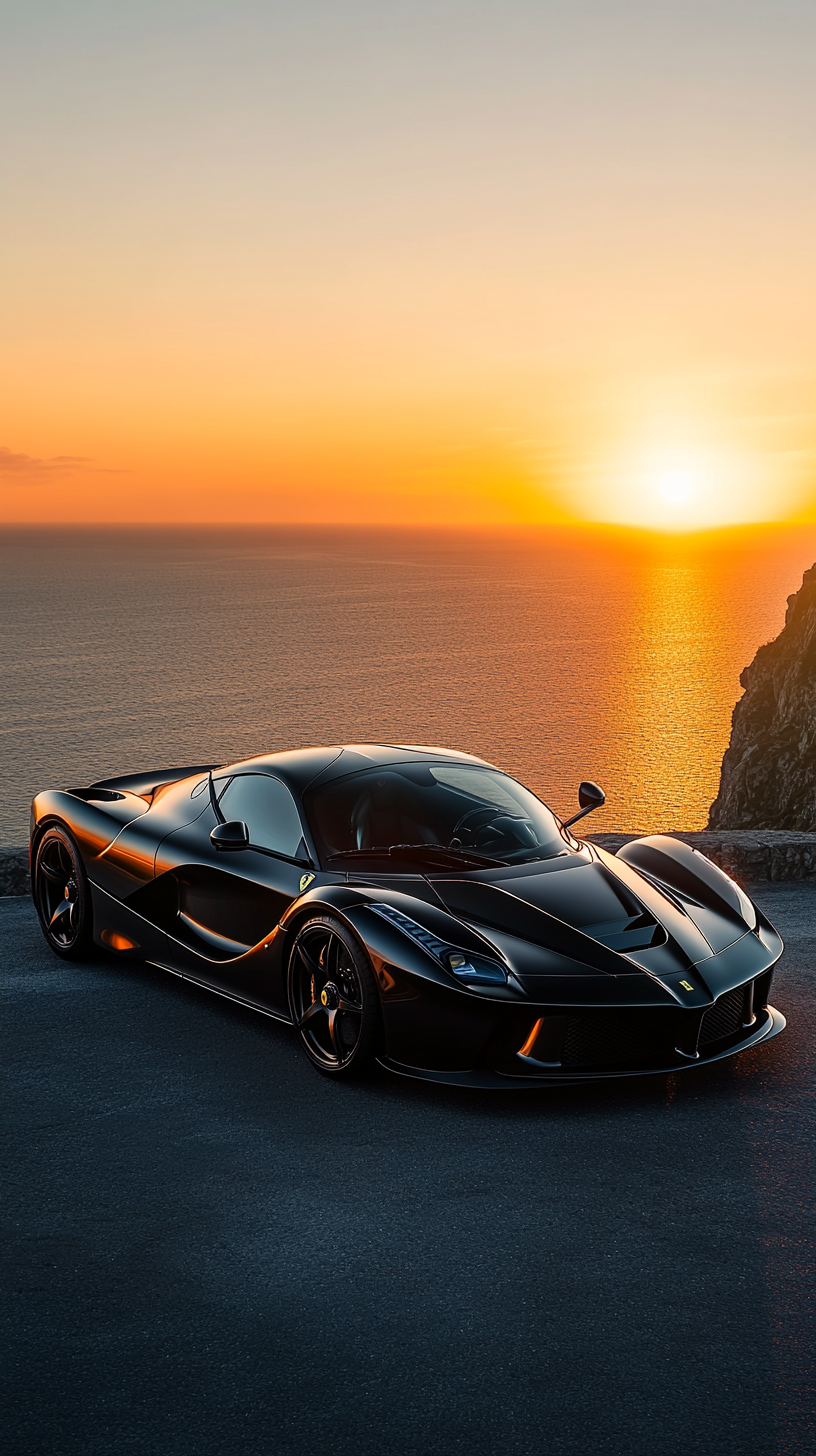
{"points": [[454, 806], [267, 807]]}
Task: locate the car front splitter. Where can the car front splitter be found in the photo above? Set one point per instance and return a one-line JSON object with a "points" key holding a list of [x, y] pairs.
{"points": [[505, 1081]]}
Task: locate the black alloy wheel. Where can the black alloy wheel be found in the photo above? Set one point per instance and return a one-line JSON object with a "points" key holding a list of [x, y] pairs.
{"points": [[62, 895], [333, 999]]}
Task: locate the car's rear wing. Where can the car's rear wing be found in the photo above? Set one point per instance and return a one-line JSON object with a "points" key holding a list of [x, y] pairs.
{"points": [[146, 783]]}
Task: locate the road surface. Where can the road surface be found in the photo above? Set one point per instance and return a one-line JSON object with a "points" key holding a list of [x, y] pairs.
{"points": [[214, 1250]]}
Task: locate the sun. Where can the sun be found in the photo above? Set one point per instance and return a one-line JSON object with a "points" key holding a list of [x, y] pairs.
{"points": [[676, 486]]}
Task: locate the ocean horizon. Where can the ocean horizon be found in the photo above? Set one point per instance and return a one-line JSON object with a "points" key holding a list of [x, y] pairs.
{"points": [[557, 652]]}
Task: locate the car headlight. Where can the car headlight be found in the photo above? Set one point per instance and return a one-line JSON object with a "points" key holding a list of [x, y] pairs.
{"points": [[477, 969], [473, 969]]}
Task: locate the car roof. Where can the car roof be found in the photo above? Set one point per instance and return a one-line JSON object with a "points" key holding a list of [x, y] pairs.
{"points": [[302, 767]]}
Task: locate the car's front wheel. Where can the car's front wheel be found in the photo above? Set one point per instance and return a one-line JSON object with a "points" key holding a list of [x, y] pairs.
{"points": [[333, 999], [62, 894]]}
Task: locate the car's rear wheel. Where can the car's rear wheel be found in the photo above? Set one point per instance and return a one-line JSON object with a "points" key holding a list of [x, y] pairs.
{"points": [[62, 894], [333, 999]]}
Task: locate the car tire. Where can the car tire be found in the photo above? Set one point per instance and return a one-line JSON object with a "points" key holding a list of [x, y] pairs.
{"points": [[333, 999], [62, 895]]}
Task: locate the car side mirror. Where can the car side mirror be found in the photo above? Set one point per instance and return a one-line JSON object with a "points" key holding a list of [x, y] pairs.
{"points": [[232, 835], [590, 797]]}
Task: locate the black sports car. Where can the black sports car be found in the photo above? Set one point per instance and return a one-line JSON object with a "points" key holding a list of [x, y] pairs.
{"points": [[412, 905]]}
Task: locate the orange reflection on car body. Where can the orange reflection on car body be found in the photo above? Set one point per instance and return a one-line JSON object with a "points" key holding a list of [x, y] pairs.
{"points": [[117, 941]]}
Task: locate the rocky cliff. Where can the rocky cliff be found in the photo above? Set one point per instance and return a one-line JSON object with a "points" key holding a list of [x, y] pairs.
{"points": [[768, 777]]}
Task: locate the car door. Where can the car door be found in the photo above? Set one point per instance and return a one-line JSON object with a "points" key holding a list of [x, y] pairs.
{"points": [[228, 900]]}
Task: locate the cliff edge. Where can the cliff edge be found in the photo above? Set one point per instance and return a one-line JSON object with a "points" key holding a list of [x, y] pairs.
{"points": [[768, 776]]}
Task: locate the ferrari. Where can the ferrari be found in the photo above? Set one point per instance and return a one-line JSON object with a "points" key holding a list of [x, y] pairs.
{"points": [[415, 907]]}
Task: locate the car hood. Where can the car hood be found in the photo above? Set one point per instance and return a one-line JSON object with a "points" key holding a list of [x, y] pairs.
{"points": [[600, 912]]}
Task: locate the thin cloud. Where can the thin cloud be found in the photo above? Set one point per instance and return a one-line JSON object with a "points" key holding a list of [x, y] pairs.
{"points": [[12, 463]]}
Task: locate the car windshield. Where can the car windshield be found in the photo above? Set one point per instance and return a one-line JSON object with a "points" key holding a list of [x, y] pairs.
{"points": [[437, 815]]}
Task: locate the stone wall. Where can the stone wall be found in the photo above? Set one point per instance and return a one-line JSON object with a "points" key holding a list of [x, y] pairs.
{"points": [[766, 854], [747, 854], [14, 878]]}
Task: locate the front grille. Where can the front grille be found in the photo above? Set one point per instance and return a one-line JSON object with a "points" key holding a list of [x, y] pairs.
{"points": [[643, 1038], [615, 1041], [724, 1018]]}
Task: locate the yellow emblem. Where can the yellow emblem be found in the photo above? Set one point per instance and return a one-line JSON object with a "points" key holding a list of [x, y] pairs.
{"points": [[687, 986], [305, 881]]}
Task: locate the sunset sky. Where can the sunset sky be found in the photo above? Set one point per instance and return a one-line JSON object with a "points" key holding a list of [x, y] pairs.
{"points": [[369, 260]]}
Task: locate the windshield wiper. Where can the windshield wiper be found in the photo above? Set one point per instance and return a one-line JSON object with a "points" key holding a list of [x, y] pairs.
{"points": [[448, 858]]}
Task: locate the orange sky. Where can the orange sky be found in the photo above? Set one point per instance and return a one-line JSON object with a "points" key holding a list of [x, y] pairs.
{"points": [[428, 262]]}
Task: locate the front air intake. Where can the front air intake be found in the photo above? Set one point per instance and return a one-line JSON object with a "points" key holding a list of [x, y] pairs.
{"points": [[724, 1018], [630, 1039]]}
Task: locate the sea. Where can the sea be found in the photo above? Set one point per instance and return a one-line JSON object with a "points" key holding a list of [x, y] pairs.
{"points": [[557, 653]]}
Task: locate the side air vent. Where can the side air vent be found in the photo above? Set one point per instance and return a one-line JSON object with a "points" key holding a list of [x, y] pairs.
{"points": [[97, 796]]}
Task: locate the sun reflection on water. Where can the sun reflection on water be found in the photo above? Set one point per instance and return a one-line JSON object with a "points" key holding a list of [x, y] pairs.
{"points": [[671, 717], [694, 611]]}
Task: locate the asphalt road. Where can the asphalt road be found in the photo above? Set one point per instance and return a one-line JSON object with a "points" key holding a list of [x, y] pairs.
{"points": [[213, 1250]]}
